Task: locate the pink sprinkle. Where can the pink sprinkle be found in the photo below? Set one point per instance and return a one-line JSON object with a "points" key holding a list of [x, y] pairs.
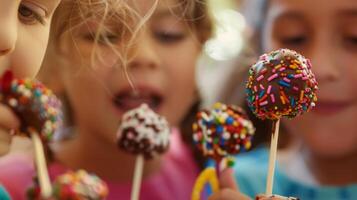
{"points": [[272, 98], [260, 78], [269, 89], [255, 88], [305, 78], [282, 69], [298, 76], [273, 77], [309, 64], [261, 87], [286, 80], [295, 88], [263, 103]]}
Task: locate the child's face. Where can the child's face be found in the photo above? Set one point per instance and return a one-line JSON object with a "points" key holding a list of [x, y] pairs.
{"points": [[23, 34], [162, 69], [325, 32]]}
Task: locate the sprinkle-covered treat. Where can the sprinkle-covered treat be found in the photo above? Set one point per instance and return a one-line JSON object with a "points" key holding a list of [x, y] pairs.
{"points": [[274, 197], [78, 185], [280, 84], [223, 131], [143, 132], [35, 105]]}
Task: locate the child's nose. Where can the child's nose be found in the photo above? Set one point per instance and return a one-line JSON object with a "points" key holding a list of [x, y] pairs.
{"points": [[145, 54], [324, 65], [8, 30]]}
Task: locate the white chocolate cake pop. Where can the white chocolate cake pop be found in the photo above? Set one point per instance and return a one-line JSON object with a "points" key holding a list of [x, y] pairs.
{"points": [[144, 132]]}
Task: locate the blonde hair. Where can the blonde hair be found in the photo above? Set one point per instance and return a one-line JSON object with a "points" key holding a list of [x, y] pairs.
{"points": [[74, 13]]}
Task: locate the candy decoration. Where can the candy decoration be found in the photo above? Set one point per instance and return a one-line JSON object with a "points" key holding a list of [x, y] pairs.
{"points": [[145, 134], [78, 185], [207, 176], [220, 133], [39, 113], [280, 83], [35, 105]]}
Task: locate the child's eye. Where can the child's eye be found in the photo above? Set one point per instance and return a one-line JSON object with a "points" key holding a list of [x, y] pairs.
{"points": [[293, 41], [350, 42], [168, 38], [351, 39], [31, 14]]}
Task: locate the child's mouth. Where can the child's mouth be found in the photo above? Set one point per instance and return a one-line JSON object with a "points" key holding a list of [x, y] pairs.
{"points": [[128, 99]]}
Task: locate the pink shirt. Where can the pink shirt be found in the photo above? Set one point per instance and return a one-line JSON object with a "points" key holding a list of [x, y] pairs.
{"points": [[174, 181]]}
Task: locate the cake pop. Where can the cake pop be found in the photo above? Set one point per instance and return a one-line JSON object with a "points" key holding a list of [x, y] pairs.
{"points": [[145, 134]]}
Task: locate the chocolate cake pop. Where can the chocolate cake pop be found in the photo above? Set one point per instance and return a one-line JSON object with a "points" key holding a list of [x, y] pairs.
{"points": [[143, 132], [280, 84]]}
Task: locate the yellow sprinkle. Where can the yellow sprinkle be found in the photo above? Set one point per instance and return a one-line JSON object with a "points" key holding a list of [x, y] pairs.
{"points": [[248, 145], [282, 100], [301, 95]]}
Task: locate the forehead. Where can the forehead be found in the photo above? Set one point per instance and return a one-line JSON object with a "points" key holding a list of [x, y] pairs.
{"points": [[316, 9], [144, 7]]}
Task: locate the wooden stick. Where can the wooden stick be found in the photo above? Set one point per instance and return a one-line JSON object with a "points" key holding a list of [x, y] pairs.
{"points": [[138, 173], [272, 157], [41, 166]]}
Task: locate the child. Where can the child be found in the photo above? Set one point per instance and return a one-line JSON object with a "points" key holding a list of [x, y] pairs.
{"points": [[321, 161], [91, 68], [23, 39]]}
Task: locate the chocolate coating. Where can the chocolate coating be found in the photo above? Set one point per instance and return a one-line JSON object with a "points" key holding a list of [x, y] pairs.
{"points": [[281, 83], [222, 131], [144, 132]]}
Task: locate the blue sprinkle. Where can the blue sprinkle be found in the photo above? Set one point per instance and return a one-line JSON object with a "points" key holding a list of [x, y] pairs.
{"points": [[37, 93], [284, 84], [290, 76], [229, 120], [292, 101], [219, 129], [222, 141], [261, 93]]}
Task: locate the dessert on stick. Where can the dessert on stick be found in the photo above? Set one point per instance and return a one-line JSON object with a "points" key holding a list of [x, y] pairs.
{"points": [[220, 133], [39, 113], [280, 84], [78, 185], [145, 134]]}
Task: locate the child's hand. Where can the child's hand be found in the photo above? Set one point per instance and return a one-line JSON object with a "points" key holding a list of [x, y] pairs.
{"points": [[8, 122], [228, 188]]}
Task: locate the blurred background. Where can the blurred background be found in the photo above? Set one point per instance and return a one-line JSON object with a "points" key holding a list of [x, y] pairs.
{"points": [[221, 52]]}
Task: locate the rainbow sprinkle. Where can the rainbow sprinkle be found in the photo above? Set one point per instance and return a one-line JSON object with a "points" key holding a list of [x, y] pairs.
{"points": [[222, 131], [35, 105], [290, 84]]}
